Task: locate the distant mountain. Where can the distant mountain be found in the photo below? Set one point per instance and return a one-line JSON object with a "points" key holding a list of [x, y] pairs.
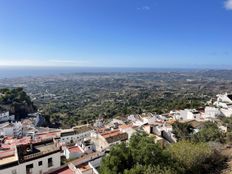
{"points": [[17, 102]]}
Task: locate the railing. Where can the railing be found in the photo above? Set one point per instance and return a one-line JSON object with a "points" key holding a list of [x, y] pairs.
{"points": [[27, 157]]}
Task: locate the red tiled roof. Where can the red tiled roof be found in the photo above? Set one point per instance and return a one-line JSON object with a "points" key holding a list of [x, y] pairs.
{"points": [[74, 149], [65, 170], [13, 142], [84, 167], [48, 135], [86, 158], [125, 126], [115, 135], [110, 133]]}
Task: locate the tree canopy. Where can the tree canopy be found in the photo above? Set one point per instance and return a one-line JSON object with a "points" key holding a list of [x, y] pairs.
{"points": [[182, 131], [134, 157], [142, 156], [16, 101]]}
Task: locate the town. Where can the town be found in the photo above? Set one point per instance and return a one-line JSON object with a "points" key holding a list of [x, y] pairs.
{"points": [[27, 148], [115, 87]]}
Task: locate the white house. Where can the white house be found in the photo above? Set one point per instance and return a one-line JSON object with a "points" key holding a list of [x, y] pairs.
{"points": [[226, 112], [187, 114], [137, 120], [11, 129], [224, 98], [88, 146], [5, 116], [73, 152], [127, 129], [211, 112], [107, 139], [76, 134], [36, 158]]}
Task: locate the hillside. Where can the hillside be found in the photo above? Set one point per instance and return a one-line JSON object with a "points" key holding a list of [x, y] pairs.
{"points": [[70, 99], [17, 102]]}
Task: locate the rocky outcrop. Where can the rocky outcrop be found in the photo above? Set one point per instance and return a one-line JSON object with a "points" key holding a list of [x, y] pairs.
{"points": [[17, 102]]}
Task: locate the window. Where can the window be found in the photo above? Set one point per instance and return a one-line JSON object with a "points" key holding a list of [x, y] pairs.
{"points": [[50, 162], [40, 163], [29, 168]]}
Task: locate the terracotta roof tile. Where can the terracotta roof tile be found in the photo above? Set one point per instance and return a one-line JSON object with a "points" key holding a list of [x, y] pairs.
{"points": [[74, 149]]}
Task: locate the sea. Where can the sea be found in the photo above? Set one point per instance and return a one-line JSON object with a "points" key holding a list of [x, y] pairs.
{"points": [[14, 72]]}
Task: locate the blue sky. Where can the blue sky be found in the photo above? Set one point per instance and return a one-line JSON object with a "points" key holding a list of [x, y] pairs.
{"points": [[116, 33]]}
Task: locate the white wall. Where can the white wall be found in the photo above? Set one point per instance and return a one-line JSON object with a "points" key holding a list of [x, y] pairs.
{"points": [[224, 98], [75, 137], [21, 168], [185, 115], [211, 112], [69, 155], [8, 131], [6, 117]]}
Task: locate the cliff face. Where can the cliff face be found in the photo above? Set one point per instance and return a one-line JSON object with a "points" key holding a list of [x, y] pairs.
{"points": [[17, 102]]}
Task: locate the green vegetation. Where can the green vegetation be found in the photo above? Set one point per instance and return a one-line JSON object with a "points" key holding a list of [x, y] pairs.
{"points": [[139, 155], [182, 131], [209, 132], [142, 156], [227, 121], [79, 98], [196, 158], [16, 101]]}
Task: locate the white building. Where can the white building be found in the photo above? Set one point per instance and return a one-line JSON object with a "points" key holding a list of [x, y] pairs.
{"points": [[11, 129], [35, 158], [88, 168], [137, 120], [76, 134], [187, 114], [127, 129], [107, 139], [224, 98], [211, 112], [224, 104], [5, 116], [84, 165], [73, 152], [226, 112], [88, 146]]}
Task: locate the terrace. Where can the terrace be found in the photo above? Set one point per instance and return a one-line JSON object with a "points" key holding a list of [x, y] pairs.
{"points": [[8, 158], [32, 151]]}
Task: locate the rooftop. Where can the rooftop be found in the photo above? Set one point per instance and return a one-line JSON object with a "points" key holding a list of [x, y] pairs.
{"points": [[86, 158], [47, 135], [81, 129], [110, 133], [34, 150], [65, 170], [7, 156], [67, 132], [76, 130], [75, 149], [115, 135], [125, 126], [84, 167]]}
